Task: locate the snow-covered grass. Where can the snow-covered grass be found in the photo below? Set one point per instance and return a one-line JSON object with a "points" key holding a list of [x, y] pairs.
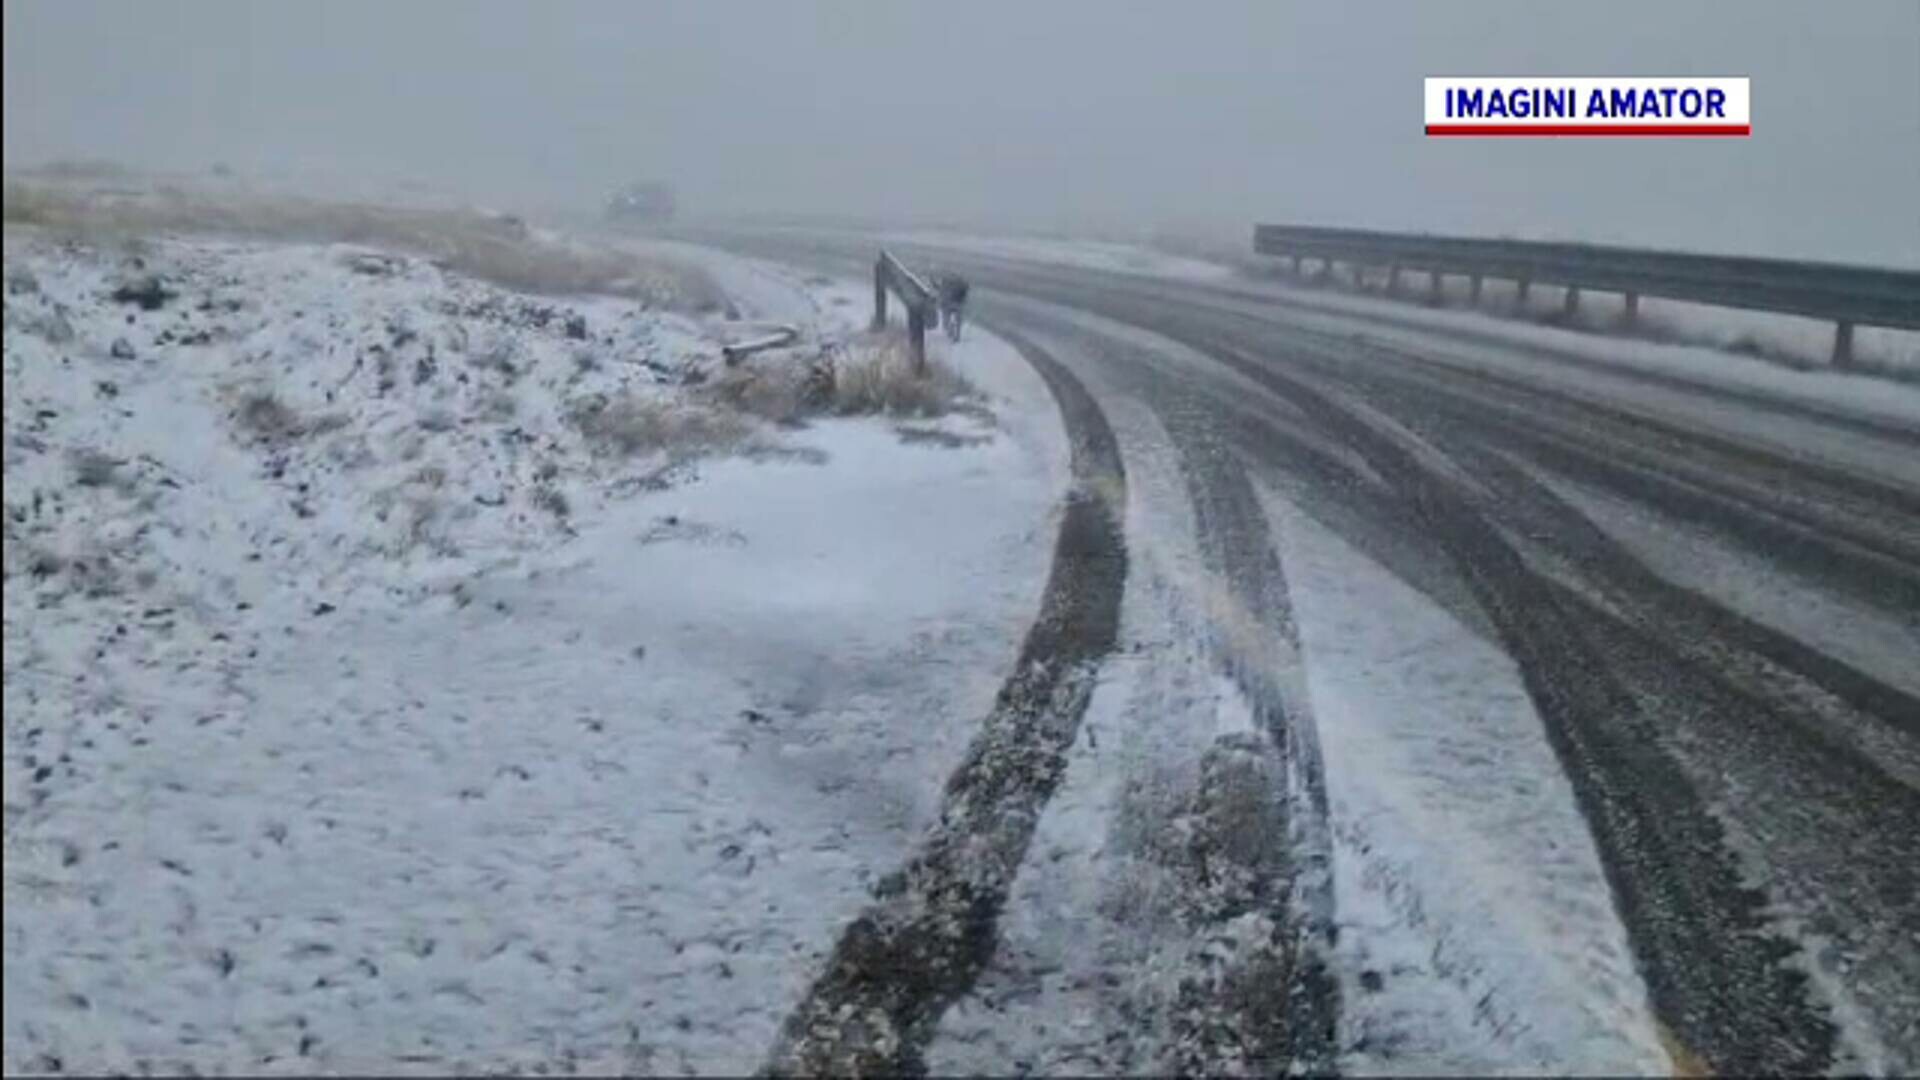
{"points": [[376, 701], [494, 247]]}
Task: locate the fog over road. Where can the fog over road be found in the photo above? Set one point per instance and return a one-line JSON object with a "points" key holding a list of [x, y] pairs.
{"points": [[573, 639], [1586, 690]]}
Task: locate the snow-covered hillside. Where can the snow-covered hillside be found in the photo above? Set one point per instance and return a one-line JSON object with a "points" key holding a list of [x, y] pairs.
{"points": [[405, 674]]}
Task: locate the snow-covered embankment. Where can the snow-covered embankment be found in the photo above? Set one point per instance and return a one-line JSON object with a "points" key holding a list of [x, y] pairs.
{"points": [[374, 701]]}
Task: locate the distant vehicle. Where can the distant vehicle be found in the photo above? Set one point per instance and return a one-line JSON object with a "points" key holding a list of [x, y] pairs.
{"points": [[642, 202]]}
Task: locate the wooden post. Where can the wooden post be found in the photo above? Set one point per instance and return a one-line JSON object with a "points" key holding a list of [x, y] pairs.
{"points": [[1295, 259], [917, 337], [1435, 281], [1520, 295], [1572, 301], [1633, 309], [1843, 346], [879, 295], [1393, 280], [1475, 294]]}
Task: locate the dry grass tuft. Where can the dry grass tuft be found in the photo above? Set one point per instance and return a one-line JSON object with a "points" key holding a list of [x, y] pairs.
{"points": [[93, 469], [872, 377], [781, 389], [880, 378], [631, 424], [553, 501], [263, 417]]}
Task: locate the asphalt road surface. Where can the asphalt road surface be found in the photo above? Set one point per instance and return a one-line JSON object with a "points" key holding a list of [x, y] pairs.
{"points": [[1705, 597]]}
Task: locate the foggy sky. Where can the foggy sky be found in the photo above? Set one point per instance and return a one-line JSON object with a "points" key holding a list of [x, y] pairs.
{"points": [[1048, 113]]}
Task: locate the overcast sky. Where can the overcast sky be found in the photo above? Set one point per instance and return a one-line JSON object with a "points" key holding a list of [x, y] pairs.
{"points": [[1032, 113]]}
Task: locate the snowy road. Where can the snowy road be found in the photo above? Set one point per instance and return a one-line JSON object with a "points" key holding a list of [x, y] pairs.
{"points": [[1486, 698], [1258, 679]]}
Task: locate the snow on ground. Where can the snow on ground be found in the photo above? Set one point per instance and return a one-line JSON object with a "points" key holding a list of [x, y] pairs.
{"points": [[362, 715], [1502, 348], [1707, 366], [1707, 347], [1092, 254], [1478, 933], [1703, 356], [764, 291], [1095, 940], [1876, 642]]}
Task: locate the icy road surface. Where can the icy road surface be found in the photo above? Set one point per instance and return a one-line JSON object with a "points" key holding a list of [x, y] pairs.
{"points": [[1489, 698]]}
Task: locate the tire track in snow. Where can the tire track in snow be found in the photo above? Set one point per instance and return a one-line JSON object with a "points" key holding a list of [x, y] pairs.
{"points": [[931, 928], [1717, 706], [1830, 744], [1218, 1027], [1715, 970], [1718, 974], [1255, 994], [1726, 982], [1722, 975], [1224, 301]]}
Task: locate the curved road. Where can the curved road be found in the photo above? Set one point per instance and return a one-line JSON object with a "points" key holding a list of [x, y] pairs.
{"points": [[1475, 706]]}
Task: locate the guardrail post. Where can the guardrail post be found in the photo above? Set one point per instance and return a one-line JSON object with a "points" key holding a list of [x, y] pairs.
{"points": [[1294, 262], [1846, 296], [890, 274], [917, 337]]}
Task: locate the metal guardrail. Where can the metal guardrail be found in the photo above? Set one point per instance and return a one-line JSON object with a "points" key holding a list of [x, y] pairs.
{"points": [[892, 275], [1848, 295]]}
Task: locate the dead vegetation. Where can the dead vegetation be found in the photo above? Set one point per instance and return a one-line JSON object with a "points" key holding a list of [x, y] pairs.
{"points": [[93, 469], [94, 567], [872, 377], [880, 379], [491, 247], [630, 425], [263, 418], [875, 376]]}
